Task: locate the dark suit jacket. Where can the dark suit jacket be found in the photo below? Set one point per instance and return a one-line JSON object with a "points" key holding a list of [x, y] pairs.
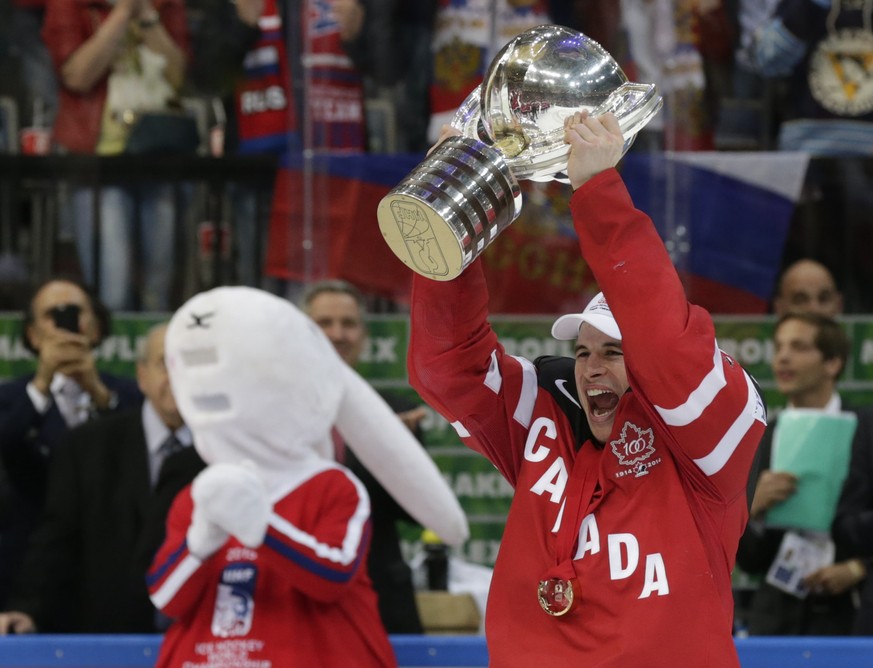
{"points": [[84, 569], [27, 440], [853, 524], [772, 611], [391, 575]]}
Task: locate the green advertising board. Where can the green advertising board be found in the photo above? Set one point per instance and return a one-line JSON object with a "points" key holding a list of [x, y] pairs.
{"points": [[483, 493]]}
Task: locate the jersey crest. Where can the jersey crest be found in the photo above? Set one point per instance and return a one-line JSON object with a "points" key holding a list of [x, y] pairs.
{"points": [[634, 449]]}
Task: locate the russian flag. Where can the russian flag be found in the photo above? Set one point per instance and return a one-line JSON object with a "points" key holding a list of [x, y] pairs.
{"points": [[724, 218], [323, 221]]}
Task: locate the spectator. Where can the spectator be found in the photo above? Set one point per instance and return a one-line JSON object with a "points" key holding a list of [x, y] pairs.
{"points": [[825, 109], [810, 354], [466, 37], [853, 525], [389, 43], [745, 119], [684, 48], [338, 309], [222, 33], [807, 286], [116, 60], [304, 107], [27, 72], [628, 466], [404, 49], [36, 411], [82, 570]]}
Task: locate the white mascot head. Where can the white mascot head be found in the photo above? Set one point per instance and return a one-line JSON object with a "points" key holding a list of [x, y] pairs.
{"points": [[256, 379]]}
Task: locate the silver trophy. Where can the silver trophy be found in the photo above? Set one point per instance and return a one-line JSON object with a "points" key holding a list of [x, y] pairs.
{"points": [[447, 210]]}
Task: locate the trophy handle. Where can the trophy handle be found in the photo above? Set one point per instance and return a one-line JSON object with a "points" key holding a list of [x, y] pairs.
{"points": [[634, 105], [466, 118]]}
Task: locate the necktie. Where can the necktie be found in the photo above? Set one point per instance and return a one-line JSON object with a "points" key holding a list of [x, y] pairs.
{"points": [[167, 449], [170, 446]]}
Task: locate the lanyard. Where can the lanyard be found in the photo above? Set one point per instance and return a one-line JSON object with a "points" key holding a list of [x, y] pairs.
{"points": [[559, 587]]}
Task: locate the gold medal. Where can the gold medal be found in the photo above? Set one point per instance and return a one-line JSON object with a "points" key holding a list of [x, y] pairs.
{"points": [[556, 596]]}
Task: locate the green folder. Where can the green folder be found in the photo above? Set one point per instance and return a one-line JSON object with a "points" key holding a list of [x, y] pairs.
{"points": [[816, 447]]}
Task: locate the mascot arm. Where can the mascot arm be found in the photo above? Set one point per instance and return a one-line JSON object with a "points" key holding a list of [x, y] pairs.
{"points": [[176, 580], [204, 536], [319, 535]]}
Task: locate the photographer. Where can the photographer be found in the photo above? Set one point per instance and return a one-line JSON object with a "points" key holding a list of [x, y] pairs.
{"points": [[62, 325]]}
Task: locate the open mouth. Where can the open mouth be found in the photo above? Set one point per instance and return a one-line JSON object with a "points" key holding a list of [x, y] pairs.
{"points": [[601, 402]]}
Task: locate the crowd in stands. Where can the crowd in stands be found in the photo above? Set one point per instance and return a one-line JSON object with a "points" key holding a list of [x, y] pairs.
{"points": [[346, 77], [380, 76]]}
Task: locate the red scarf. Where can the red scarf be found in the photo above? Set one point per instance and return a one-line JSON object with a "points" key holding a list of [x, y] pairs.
{"points": [[269, 117]]}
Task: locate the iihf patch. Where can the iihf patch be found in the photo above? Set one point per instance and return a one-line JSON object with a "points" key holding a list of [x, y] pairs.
{"points": [[235, 600]]}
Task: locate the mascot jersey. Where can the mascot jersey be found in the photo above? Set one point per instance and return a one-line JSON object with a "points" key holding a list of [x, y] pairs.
{"points": [[648, 524], [302, 599]]}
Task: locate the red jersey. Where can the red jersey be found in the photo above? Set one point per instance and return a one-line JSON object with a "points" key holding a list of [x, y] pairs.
{"points": [[302, 599], [648, 522]]}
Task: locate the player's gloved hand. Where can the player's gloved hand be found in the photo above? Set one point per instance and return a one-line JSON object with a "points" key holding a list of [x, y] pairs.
{"points": [[233, 498]]}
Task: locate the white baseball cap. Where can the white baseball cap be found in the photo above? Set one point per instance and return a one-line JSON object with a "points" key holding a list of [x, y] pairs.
{"points": [[597, 314]]}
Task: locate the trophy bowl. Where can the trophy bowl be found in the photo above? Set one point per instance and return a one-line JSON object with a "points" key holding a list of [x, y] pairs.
{"points": [[537, 80], [445, 212]]}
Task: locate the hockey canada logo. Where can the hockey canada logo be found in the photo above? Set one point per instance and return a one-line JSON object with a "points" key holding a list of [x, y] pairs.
{"points": [[633, 449]]}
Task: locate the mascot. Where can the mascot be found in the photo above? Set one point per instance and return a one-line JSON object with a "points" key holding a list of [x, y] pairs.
{"points": [[264, 561]]}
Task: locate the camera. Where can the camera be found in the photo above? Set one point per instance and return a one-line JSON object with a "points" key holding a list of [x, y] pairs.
{"points": [[66, 316]]}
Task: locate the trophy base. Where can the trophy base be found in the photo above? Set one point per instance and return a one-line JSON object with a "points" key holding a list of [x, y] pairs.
{"points": [[420, 237], [449, 208]]}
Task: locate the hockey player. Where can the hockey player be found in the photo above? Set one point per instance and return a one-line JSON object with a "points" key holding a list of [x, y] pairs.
{"points": [[629, 466]]}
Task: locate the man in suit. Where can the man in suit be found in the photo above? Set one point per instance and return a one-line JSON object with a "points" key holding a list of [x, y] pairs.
{"points": [[110, 486], [36, 411], [337, 308], [810, 354]]}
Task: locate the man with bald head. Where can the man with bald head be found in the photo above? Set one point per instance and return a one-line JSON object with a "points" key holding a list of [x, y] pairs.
{"points": [[62, 325], [807, 286], [110, 485]]}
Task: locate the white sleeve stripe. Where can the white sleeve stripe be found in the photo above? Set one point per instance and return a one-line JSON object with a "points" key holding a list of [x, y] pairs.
{"points": [[721, 453], [493, 379], [460, 429], [174, 582], [528, 396], [699, 398], [345, 554]]}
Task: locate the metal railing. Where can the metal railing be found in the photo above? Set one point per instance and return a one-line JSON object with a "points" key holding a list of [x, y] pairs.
{"points": [[34, 191]]}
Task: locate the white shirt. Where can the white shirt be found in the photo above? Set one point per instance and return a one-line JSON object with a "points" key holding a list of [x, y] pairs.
{"points": [[72, 401]]}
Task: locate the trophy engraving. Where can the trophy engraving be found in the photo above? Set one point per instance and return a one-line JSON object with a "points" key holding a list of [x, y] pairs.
{"points": [[419, 238]]}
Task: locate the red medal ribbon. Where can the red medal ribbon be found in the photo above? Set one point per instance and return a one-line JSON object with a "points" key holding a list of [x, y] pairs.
{"points": [[559, 588]]}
